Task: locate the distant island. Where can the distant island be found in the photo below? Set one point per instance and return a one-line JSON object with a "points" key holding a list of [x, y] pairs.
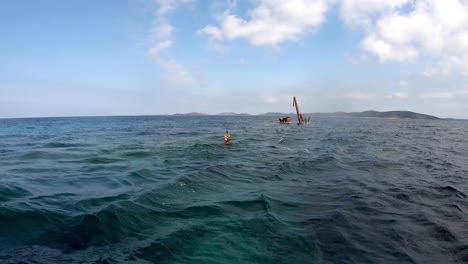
{"points": [[233, 114], [191, 114], [388, 114], [370, 113]]}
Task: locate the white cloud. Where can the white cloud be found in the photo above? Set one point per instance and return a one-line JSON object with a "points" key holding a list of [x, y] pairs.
{"points": [[271, 22], [456, 94], [224, 4], [212, 31], [177, 75], [162, 32], [400, 95], [280, 99], [270, 100], [403, 84], [360, 13], [160, 47], [438, 95], [404, 30], [357, 95], [162, 29]]}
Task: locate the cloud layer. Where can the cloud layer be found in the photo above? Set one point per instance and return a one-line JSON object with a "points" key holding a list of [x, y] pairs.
{"points": [[393, 30], [414, 28]]}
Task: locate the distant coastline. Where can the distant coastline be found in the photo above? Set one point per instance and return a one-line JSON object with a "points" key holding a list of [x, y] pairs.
{"points": [[364, 114], [370, 113]]}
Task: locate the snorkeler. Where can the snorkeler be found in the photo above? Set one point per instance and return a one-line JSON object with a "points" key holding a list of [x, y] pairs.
{"points": [[227, 138]]}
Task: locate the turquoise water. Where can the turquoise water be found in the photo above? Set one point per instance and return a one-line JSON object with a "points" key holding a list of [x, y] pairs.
{"points": [[167, 190]]}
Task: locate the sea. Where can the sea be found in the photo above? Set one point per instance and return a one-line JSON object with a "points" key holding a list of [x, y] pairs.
{"points": [[165, 189]]}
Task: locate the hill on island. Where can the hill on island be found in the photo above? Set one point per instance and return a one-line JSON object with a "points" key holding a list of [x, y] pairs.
{"points": [[233, 114], [388, 114], [191, 114]]}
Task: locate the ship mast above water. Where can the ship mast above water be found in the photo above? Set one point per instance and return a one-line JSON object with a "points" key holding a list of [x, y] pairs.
{"points": [[300, 119]]}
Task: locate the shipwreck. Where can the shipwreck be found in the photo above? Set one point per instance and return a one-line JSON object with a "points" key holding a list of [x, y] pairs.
{"points": [[300, 118]]}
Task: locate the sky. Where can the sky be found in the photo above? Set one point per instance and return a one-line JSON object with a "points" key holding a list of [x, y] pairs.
{"points": [[149, 57]]}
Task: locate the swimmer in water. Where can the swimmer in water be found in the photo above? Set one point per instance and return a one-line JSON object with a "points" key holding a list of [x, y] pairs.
{"points": [[227, 138]]}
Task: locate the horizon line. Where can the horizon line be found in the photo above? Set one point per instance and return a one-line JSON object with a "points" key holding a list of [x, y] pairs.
{"points": [[219, 114]]}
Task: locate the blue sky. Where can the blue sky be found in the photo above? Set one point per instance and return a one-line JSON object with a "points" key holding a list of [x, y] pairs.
{"points": [[62, 58]]}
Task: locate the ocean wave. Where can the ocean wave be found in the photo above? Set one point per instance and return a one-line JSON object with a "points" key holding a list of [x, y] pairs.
{"points": [[11, 191]]}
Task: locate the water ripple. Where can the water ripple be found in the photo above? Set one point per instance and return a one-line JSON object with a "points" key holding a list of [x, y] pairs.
{"points": [[167, 190]]}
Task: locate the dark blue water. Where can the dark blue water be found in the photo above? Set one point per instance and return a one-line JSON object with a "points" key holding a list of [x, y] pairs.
{"points": [[166, 190]]}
